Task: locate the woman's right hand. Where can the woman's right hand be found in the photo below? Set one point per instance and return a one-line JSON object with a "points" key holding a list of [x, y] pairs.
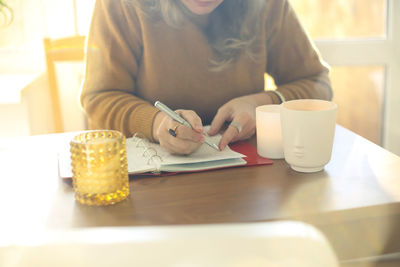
{"points": [[186, 140]]}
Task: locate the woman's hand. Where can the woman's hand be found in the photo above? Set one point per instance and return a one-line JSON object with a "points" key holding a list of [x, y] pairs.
{"points": [[186, 140], [241, 112]]}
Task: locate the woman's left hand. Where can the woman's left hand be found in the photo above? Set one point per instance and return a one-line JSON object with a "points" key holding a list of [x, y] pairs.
{"points": [[241, 113]]}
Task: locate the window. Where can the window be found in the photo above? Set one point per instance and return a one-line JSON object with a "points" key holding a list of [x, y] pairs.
{"points": [[21, 42], [337, 19], [358, 39]]}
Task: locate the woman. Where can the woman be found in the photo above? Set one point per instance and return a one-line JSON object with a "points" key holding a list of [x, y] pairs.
{"points": [[204, 58]]}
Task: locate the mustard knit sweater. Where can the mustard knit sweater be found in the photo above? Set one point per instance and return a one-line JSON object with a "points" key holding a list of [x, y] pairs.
{"points": [[133, 61]]}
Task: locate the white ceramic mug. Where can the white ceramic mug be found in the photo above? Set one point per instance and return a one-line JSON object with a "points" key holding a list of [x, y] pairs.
{"points": [[308, 129], [269, 134]]}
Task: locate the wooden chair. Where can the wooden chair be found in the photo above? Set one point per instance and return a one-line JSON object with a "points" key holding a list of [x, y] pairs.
{"points": [[61, 50]]}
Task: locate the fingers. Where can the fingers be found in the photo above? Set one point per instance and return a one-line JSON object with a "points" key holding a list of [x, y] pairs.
{"points": [[232, 134], [184, 141], [223, 114], [240, 110], [180, 139], [175, 145], [193, 119], [185, 133]]}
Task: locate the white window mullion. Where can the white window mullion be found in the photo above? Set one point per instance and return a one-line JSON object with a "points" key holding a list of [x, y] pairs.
{"points": [[391, 133]]}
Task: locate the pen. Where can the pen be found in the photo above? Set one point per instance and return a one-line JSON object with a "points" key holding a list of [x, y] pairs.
{"points": [[175, 116]]}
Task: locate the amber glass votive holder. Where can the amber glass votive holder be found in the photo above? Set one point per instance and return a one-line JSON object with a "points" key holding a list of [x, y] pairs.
{"points": [[99, 167]]}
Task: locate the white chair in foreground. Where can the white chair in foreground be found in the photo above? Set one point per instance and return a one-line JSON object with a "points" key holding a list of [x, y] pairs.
{"points": [[274, 244]]}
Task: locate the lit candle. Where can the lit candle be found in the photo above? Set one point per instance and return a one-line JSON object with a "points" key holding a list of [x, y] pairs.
{"points": [[269, 132]]}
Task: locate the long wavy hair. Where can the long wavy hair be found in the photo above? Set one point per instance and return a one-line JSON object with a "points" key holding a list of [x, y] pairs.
{"points": [[232, 29]]}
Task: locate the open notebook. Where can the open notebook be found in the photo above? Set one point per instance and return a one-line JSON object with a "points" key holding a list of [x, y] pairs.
{"points": [[145, 157]]}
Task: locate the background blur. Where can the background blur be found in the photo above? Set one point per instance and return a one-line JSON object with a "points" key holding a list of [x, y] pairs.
{"points": [[357, 38]]}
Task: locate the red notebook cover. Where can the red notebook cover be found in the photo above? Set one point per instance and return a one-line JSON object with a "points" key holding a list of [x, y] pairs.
{"points": [[245, 148]]}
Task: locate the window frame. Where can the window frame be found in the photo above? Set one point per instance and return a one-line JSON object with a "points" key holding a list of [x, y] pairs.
{"points": [[384, 52]]}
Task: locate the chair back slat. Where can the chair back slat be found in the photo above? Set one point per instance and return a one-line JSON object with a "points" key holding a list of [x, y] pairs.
{"points": [[61, 50]]}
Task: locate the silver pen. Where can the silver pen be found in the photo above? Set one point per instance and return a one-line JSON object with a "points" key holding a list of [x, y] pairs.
{"points": [[175, 116]]}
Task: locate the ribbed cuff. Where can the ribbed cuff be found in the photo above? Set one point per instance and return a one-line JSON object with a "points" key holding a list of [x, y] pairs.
{"points": [[142, 121], [273, 96]]}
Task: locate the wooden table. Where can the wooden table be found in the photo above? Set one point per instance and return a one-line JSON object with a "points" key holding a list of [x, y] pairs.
{"points": [[354, 201]]}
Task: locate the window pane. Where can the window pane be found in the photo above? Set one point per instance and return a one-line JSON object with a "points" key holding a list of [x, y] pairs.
{"points": [[338, 19], [84, 11], [358, 92]]}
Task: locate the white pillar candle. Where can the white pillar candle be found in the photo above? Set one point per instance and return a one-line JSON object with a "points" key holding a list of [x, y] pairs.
{"points": [[269, 133]]}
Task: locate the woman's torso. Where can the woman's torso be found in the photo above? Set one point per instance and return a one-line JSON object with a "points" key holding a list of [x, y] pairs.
{"points": [[174, 68]]}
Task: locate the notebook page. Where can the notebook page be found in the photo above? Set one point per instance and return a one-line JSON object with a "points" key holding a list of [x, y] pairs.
{"points": [[203, 154]]}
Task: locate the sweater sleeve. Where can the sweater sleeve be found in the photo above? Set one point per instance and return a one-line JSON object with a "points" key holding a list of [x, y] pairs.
{"points": [[293, 61], [114, 48]]}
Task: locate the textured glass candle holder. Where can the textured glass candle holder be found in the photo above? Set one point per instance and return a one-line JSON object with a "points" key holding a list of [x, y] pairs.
{"points": [[99, 167]]}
